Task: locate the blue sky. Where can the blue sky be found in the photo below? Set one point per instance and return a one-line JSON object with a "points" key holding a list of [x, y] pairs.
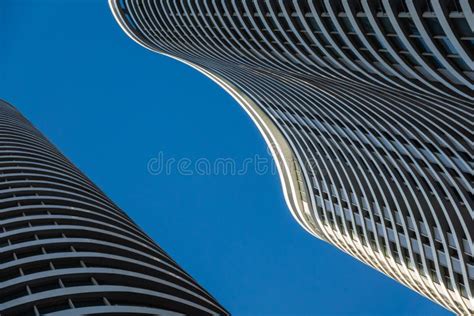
{"points": [[111, 106]]}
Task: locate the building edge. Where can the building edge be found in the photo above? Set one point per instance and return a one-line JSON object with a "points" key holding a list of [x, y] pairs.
{"points": [[287, 162]]}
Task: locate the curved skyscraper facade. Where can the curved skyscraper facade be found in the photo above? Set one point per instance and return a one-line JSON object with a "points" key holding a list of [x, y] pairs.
{"points": [[367, 108], [66, 249]]}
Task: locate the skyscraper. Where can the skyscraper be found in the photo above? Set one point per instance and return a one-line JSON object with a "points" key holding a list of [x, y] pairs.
{"points": [[66, 249], [367, 108]]}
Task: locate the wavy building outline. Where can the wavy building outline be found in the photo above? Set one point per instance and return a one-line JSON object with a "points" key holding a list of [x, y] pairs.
{"points": [[367, 108]]}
